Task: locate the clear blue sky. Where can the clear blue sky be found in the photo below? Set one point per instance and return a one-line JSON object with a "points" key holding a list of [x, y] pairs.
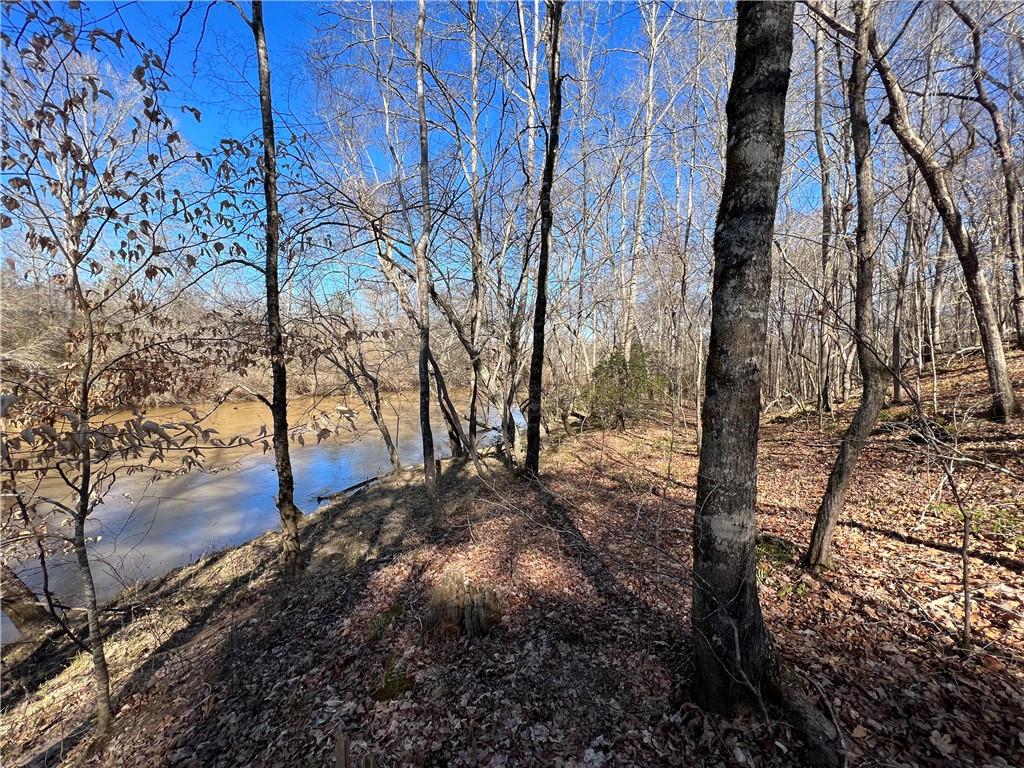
{"points": [[213, 63]]}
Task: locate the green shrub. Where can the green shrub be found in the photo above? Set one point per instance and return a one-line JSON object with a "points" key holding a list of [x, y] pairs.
{"points": [[619, 389]]}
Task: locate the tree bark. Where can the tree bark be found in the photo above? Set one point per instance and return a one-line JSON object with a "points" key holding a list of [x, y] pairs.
{"points": [[100, 673], [532, 463], [935, 300], [291, 548], [97, 649], [734, 654], [1004, 401], [824, 400], [476, 244], [457, 439], [872, 368], [910, 241], [422, 278]]}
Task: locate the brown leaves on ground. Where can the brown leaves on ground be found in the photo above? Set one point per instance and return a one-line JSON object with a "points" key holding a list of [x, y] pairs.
{"points": [[588, 666]]}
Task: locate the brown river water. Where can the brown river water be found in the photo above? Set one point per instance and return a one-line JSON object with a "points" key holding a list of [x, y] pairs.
{"points": [[147, 528]]}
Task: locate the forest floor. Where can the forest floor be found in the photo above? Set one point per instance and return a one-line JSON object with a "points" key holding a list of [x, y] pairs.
{"points": [[220, 663]]}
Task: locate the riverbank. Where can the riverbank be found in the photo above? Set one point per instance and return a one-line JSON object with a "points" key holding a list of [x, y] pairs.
{"points": [[145, 527], [220, 663]]}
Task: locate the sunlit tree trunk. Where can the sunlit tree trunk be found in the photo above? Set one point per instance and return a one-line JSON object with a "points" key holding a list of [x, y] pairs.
{"points": [[824, 400], [655, 34], [291, 548], [1004, 401], [476, 244], [532, 463], [910, 241], [1011, 181], [734, 653], [422, 278], [935, 338], [871, 367], [100, 673]]}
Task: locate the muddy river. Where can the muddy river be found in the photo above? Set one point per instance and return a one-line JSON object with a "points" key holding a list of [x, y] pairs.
{"points": [[144, 528]]}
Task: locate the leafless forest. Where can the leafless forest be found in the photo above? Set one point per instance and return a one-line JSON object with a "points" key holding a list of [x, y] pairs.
{"points": [[709, 319]]}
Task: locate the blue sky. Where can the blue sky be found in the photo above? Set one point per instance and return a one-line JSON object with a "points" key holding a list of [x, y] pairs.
{"points": [[212, 62]]}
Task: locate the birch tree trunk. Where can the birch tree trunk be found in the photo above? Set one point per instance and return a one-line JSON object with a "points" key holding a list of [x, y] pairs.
{"points": [[291, 548], [532, 463], [872, 368], [734, 654]]}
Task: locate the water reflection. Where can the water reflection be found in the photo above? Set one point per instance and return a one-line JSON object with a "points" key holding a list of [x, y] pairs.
{"points": [[147, 528]]}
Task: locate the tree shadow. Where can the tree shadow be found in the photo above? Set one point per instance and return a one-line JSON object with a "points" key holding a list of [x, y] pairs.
{"points": [[1002, 561], [269, 687], [281, 626], [666, 629], [382, 531], [212, 602], [57, 651], [271, 684]]}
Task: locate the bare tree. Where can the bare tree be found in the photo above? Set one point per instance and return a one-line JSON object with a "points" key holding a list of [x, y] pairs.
{"points": [[735, 658], [872, 369], [291, 546], [358, 354], [824, 399], [554, 8], [1007, 165], [422, 275], [1004, 401]]}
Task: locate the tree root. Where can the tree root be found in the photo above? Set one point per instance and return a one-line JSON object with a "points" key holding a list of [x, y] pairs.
{"points": [[823, 741]]}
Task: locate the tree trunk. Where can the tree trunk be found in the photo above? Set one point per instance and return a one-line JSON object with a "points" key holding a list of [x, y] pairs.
{"points": [[459, 442], [649, 13], [824, 401], [532, 463], [291, 548], [422, 278], [100, 674], [734, 655], [872, 368], [356, 364], [1004, 401], [909, 243], [476, 245], [935, 301], [1008, 167]]}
